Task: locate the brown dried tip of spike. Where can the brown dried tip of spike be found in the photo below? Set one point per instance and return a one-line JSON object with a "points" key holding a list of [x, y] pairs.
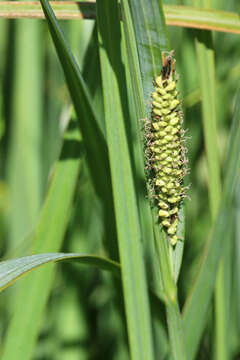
{"points": [[168, 64]]}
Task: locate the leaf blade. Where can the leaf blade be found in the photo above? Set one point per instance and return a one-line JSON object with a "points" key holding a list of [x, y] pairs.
{"points": [[194, 311], [148, 22], [11, 270], [176, 15], [129, 234], [47, 237]]}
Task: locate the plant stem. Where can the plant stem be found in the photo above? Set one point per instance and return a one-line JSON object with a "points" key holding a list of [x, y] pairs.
{"points": [[170, 295]]}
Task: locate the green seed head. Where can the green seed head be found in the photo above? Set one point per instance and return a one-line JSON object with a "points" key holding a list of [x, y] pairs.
{"points": [[167, 157]]}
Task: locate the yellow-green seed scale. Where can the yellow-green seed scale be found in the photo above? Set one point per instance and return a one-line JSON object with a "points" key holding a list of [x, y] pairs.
{"points": [[166, 148]]}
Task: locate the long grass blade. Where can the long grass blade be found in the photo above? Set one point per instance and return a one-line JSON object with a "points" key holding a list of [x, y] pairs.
{"points": [[24, 162], [151, 38], [205, 56], [91, 126], [91, 129], [136, 92], [138, 112], [236, 266], [199, 18], [128, 227], [11, 270], [47, 238], [197, 303], [176, 15]]}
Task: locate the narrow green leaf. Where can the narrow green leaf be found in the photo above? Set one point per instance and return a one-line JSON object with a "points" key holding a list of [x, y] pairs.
{"points": [[177, 253], [24, 161], [200, 18], [91, 129], [47, 238], [232, 180], [236, 266], [138, 112], [91, 126], [11, 270], [223, 299], [148, 23], [183, 16], [194, 96], [92, 76], [232, 162], [137, 116], [194, 315], [151, 36], [175, 331], [63, 10], [143, 67], [205, 56], [128, 228], [198, 300], [170, 296]]}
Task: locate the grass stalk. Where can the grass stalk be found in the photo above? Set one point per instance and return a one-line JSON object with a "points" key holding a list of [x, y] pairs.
{"points": [[205, 54], [128, 226]]}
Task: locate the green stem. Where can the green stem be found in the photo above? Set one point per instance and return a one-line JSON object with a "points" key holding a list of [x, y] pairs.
{"points": [[221, 352], [170, 295], [205, 54]]}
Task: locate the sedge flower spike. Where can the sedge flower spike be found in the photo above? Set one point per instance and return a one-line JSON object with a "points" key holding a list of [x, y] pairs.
{"points": [[165, 150]]}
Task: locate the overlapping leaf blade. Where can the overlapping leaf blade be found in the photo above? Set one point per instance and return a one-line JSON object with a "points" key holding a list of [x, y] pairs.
{"points": [[11, 270], [129, 233], [198, 301], [151, 38], [183, 16], [48, 237]]}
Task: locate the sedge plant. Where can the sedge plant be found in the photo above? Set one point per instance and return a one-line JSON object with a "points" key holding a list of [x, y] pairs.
{"points": [[98, 118]]}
